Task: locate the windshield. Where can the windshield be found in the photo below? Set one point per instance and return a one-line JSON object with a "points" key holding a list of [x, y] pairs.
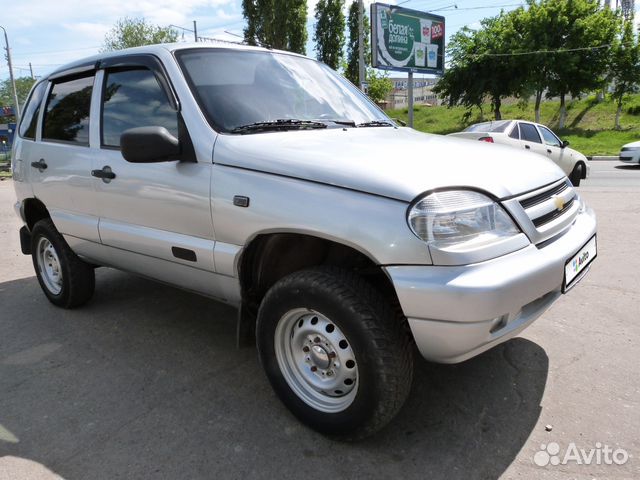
{"points": [[236, 88], [497, 126]]}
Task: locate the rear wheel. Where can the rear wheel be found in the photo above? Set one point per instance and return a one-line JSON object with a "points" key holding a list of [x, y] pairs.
{"points": [[335, 352], [577, 174], [65, 279]]}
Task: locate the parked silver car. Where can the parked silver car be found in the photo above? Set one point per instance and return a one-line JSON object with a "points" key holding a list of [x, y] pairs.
{"points": [[265, 180]]}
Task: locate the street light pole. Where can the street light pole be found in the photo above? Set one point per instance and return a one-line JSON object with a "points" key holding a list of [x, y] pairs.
{"points": [[13, 81]]}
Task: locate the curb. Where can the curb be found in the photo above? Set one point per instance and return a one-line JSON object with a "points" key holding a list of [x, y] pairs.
{"points": [[604, 158]]}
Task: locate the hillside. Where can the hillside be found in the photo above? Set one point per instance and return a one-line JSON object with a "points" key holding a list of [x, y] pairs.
{"points": [[589, 126]]}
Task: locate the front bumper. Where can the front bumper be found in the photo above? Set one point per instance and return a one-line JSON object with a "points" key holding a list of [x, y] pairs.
{"points": [[457, 312], [629, 157]]}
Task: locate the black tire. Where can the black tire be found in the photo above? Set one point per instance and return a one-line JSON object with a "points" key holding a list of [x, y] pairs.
{"points": [[577, 174], [377, 335], [78, 278]]}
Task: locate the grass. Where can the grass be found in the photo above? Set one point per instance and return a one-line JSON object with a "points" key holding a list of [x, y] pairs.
{"points": [[589, 126]]}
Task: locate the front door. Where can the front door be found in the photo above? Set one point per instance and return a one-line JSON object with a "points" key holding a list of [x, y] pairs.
{"points": [[530, 138], [155, 218], [555, 150]]}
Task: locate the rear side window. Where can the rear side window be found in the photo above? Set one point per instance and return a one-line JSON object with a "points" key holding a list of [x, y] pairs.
{"points": [[31, 110], [515, 133], [134, 98], [66, 117], [529, 133]]}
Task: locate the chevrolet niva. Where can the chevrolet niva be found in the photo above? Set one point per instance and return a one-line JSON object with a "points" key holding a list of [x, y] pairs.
{"points": [[265, 180]]}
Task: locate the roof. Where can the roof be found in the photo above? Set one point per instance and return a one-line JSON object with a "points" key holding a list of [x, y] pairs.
{"points": [[156, 49]]}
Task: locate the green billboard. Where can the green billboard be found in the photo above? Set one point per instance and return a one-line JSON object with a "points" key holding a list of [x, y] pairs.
{"points": [[406, 40]]}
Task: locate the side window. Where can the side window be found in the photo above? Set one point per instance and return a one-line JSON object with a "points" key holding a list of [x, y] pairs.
{"points": [[529, 133], [549, 137], [134, 98], [66, 117], [31, 110], [515, 132]]}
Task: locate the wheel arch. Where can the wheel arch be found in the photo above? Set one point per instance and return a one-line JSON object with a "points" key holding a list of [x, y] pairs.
{"points": [[270, 256], [33, 210]]}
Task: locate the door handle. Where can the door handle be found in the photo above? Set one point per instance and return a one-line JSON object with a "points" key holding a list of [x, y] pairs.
{"points": [[40, 165], [527, 147], [548, 150], [106, 174]]}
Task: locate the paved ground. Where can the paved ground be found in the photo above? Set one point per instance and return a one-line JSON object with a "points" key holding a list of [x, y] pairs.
{"points": [[145, 382]]}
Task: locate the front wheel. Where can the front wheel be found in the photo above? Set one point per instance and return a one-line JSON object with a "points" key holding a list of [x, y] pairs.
{"points": [[577, 174], [65, 279], [335, 352]]}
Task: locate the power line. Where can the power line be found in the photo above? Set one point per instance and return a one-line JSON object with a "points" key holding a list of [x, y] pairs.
{"points": [[536, 52]]}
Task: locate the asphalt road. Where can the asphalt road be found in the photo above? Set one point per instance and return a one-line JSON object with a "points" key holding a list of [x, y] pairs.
{"points": [[145, 382]]}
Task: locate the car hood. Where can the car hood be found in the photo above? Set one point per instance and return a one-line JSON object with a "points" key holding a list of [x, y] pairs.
{"points": [[398, 163]]}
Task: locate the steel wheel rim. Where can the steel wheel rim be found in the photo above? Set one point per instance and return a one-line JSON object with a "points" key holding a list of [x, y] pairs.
{"points": [[49, 266], [316, 360]]}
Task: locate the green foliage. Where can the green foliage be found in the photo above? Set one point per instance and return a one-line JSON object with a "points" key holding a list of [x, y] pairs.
{"points": [[580, 24], [379, 85], [277, 24], [588, 124], [481, 67], [135, 32], [23, 86], [625, 68], [531, 51], [329, 32], [353, 44]]}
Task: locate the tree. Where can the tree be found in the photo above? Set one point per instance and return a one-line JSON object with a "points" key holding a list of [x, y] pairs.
{"points": [[280, 24], [135, 32], [579, 62], [329, 32], [352, 71], [625, 67], [379, 85], [482, 66], [23, 87]]}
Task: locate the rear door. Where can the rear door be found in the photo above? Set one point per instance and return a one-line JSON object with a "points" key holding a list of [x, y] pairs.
{"points": [[59, 161], [153, 215]]}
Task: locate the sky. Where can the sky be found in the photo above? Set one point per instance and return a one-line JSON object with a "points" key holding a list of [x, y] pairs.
{"points": [[50, 33]]}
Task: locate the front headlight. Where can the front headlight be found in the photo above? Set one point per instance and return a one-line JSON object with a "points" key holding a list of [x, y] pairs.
{"points": [[460, 220]]}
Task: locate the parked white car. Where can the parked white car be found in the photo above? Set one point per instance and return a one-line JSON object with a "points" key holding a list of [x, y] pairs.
{"points": [[630, 153], [535, 138]]}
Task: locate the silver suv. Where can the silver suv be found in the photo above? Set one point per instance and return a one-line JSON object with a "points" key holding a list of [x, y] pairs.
{"points": [[265, 180]]}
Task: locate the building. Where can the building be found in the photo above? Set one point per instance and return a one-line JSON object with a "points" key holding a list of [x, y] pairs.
{"points": [[422, 92]]}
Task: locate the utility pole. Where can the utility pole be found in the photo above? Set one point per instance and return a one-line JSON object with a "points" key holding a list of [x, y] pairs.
{"points": [[31, 70], [195, 30], [361, 44], [13, 81], [410, 99]]}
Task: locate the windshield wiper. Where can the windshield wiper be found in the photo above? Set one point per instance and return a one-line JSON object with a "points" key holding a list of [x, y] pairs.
{"points": [[281, 124], [348, 123], [375, 123]]}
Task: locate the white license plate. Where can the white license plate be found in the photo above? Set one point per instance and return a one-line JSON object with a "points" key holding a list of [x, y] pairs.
{"points": [[576, 265]]}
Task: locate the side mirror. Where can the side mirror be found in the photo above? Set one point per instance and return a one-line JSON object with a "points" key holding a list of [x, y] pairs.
{"points": [[565, 144], [149, 144]]}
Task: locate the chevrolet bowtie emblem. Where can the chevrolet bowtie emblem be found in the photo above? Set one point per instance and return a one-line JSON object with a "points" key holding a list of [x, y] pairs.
{"points": [[559, 202]]}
